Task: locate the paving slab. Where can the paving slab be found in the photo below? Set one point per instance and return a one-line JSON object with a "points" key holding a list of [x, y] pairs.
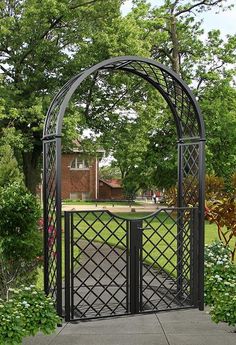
{"points": [[191, 322], [199, 339], [109, 339], [184, 327], [141, 324]]}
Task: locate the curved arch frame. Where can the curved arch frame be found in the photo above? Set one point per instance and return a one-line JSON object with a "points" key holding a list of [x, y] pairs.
{"points": [[191, 155]]}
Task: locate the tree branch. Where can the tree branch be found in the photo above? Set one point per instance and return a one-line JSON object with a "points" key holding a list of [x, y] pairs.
{"points": [[84, 4], [203, 2], [6, 71], [53, 24]]}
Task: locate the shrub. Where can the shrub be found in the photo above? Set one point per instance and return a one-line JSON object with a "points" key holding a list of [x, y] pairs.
{"points": [[222, 212], [9, 171], [215, 187], [20, 239], [220, 284], [27, 312]]}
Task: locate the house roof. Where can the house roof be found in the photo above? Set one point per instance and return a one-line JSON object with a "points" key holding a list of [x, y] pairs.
{"points": [[113, 183]]}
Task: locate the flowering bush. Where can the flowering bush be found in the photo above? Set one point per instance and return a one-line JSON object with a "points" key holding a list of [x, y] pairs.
{"points": [[26, 312], [220, 284], [52, 235]]}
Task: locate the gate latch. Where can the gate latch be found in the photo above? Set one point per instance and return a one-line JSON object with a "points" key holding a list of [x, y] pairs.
{"points": [[146, 228]]}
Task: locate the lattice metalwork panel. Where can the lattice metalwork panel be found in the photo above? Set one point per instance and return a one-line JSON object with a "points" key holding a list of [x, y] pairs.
{"points": [[166, 260], [169, 85], [50, 127], [50, 226], [187, 116], [190, 174], [99, 265]]}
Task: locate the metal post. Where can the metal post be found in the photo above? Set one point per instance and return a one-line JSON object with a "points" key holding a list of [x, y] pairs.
{"points": [[180, 227], [194, 257], [135, 235], [58, 224], [72, 264], [201, 223], [180, 222], [45, 215], [67, 266]]}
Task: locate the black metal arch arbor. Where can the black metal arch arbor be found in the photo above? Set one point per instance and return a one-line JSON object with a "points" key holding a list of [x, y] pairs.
{"points": [[191, 138]]}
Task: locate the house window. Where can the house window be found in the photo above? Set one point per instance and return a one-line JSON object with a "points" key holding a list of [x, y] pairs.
{"points": [[75, 196], [85, 195], [79, 164], [79, 195]]}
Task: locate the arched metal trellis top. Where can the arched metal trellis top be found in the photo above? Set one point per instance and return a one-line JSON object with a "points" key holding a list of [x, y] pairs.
{"points": [[190, 181], [186, 112]]}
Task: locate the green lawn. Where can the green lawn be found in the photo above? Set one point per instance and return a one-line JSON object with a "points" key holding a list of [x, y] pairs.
{"points": [[98, 232]]}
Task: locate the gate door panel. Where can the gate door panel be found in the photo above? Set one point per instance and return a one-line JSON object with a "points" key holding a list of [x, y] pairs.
{"points": [[166, 274], [98, 263], [116, 266]]}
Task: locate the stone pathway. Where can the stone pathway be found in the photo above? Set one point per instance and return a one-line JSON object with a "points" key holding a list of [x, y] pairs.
{"points": [[185, 327]]}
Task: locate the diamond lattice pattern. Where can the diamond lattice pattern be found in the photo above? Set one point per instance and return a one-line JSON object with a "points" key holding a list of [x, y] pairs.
{"points": [[99, 268], [166, 256]]}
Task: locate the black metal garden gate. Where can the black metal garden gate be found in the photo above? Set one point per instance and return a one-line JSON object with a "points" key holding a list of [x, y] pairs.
{"points": [[116, 266], [148, 282]]}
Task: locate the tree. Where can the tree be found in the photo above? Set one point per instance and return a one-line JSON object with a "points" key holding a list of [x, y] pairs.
{"points": [[42, 44], [174, 36], [53, 40], [109, 172], [218, 104]]}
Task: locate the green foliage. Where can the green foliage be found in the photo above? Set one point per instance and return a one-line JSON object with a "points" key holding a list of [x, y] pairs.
{"points": [[220, 285], [20, 239], [19, 211], [9, 170], [218, 103], [52, 41], [109, 172], [25, 313]]}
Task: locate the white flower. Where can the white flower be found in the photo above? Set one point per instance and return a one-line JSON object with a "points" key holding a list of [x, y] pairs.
{"points": [[27, 288]]}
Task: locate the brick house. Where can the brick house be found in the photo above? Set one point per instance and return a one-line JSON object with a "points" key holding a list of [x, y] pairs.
{"points": [[79, 178], [111, 189], [79, 174]]}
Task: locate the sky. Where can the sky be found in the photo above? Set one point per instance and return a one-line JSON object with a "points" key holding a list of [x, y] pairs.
{"points": [[224, 21]]}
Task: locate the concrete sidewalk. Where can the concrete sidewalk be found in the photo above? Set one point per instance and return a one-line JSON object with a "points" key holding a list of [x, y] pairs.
{"points": [[114, 209], [185, 327]]}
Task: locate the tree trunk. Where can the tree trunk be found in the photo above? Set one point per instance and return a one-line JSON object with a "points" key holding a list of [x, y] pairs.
{"points": [[31, 168], [175, 45]]}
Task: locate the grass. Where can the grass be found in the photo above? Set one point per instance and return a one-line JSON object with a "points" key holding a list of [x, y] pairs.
{"points": [[98, 233]]}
